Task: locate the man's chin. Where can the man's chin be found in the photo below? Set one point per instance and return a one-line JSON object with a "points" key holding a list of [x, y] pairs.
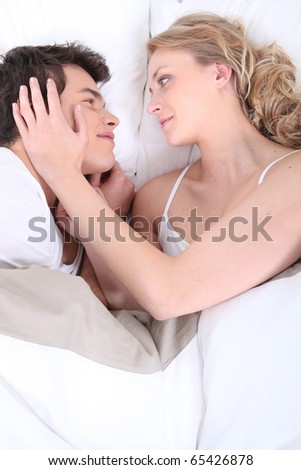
{"points": [[103, 165]]}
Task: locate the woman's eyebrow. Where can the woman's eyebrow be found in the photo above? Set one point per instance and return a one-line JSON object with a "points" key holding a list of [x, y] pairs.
{"points": [[155, 74], [158, 70]]}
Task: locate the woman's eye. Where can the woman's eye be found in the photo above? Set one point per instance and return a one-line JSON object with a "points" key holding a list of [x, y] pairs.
{"points": [[89, 100], [163, 80]]}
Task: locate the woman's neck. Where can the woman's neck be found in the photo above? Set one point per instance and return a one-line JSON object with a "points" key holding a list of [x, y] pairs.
{"points": [[237, 151]]}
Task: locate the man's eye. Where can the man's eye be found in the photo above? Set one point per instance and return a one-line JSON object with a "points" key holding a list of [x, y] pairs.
{"points": [[89, 100]]}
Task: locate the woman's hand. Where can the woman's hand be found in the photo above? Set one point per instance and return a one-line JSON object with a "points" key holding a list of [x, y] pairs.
{"points": [[53, 147]]}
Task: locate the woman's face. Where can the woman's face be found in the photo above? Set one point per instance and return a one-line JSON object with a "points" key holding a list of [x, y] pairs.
{"points": [[183, 95]]}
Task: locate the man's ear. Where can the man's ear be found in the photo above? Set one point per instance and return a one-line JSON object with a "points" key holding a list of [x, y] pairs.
{"points": [[223, 74]]}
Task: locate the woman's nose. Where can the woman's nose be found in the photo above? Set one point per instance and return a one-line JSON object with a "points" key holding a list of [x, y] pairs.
{"points": [[153, 107]]}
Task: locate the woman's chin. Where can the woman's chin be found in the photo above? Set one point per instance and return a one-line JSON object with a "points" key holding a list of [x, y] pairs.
{"points": [[176, 141]]}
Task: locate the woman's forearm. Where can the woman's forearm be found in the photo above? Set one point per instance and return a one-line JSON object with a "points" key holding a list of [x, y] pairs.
{"points": [[127, 254], [117, 296]]}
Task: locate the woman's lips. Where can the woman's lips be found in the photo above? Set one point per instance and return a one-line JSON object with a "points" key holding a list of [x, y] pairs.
{"points": [[164, 121]]}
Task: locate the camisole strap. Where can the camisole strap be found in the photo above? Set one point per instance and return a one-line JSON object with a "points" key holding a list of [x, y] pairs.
{"points": [[175, 188], [262, 176]]}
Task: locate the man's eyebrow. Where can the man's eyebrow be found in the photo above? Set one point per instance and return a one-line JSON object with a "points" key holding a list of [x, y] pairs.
{"points": [[95, 93]]}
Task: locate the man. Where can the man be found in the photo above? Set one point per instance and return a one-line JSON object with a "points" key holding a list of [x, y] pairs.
{"points": [[28, 232]]}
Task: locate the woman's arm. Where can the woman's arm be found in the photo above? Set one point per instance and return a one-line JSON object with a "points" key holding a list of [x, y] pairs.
{"points": [[118, 191], [254, 241]]}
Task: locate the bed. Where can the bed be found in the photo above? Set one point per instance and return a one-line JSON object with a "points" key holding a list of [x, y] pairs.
{"points": [[74, 375]]}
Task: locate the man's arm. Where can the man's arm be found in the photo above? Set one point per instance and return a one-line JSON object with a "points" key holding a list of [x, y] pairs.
{"points": [[88, 274]]}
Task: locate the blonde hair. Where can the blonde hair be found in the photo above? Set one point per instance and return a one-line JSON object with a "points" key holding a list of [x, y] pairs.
{"points": [[264, 79]]}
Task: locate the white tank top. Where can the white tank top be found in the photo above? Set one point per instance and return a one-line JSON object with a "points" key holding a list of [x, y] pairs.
{"points": [[262, 176], [170, 240]]}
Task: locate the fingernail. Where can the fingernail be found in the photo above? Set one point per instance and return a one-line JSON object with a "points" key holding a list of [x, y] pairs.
{"points": [[32, 80], [22, 88]]}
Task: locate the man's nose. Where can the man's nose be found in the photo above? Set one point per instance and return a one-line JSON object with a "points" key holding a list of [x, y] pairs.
{"points": [[110, 120]]}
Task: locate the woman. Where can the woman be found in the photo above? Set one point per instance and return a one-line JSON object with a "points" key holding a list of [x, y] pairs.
{"points": [[239, 204]]}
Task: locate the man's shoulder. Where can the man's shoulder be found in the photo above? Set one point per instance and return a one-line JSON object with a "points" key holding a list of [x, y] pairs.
{"points": [[16, 181]]}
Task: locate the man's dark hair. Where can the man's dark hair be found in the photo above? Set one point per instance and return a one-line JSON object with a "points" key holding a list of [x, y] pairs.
{"points": [[43, 62]]}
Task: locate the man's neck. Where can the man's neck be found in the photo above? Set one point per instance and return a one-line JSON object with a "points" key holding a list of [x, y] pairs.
{"points": [[20, 152]]}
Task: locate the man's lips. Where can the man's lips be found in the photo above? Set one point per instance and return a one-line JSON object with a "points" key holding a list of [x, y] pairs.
{"points": [[164, 121], [107, 136]]}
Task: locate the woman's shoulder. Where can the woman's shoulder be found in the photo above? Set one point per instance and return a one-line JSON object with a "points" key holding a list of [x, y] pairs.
{"points": [[164, 183], [166, 178], [287, 168], [153, 195]]}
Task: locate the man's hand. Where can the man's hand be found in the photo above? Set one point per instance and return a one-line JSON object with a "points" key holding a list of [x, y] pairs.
{"points": [[117, 189]]}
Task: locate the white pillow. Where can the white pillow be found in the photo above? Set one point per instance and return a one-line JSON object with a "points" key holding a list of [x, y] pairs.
{"points": [[268, 21], [117, 29]]}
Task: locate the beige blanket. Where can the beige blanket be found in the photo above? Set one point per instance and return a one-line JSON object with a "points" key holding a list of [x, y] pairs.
{"points": [[55, 309]]}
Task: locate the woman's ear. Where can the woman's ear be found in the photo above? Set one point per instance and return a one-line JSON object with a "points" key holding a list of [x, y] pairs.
{"points": [[223, 74]]}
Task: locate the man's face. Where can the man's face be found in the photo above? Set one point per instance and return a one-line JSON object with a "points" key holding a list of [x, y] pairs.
{"points": [[81, 89]]}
